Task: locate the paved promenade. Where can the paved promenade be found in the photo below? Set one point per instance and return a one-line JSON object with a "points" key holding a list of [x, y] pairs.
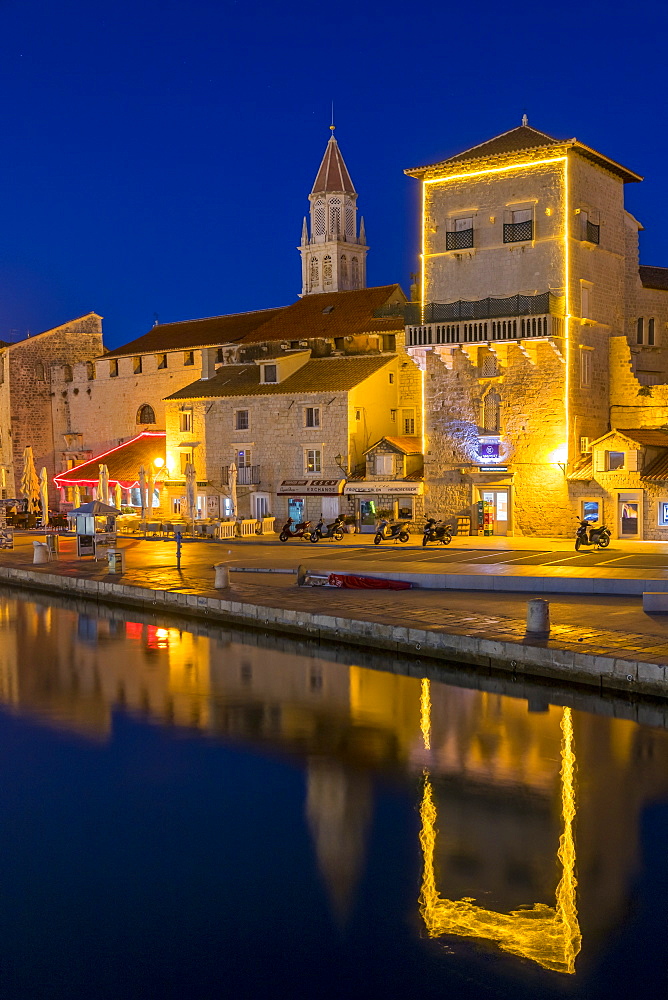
{"points": [[607, 641]]}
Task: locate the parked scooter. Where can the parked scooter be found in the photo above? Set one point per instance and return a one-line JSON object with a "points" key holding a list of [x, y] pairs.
{"points": [[300, 530], [386, 532], [598, 537], [436, 531], [333, 530]]}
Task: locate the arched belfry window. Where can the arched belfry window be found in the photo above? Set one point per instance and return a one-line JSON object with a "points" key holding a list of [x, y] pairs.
{"points": [[315, 272], [491, 412], [356, 272], [145, 414], [335, 216], [344, 271], [327, 268], [319, 218]]}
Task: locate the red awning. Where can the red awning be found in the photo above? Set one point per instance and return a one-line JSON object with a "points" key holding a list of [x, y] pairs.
{"points": [[123, 462]]}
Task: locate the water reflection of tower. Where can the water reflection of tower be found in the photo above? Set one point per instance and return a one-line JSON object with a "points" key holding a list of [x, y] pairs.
{"points": [[338, 809]]}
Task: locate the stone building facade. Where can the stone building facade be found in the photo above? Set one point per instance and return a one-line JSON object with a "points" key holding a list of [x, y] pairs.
{"points": [[35, 393], [293, 425], [529, 275]]}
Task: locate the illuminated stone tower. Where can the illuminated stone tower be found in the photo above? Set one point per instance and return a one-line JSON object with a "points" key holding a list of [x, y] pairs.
{"points": [[334, 255]]}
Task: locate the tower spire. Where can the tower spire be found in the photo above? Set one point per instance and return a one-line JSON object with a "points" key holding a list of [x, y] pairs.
{"points": [[334, 255]]}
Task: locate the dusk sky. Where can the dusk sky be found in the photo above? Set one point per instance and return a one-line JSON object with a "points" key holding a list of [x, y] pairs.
{"points": [[157, 155]]}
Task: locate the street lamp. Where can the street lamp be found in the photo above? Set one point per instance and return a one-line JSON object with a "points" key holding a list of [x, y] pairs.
{"points": [[340, 459]]}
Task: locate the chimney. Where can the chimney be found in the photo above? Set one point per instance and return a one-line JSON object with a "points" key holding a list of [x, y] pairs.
{"points": [[208, 362]]}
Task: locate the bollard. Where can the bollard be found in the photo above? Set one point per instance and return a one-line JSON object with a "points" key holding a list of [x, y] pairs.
{"points": [[40, 553], [222, 576], [538, 618], [116, 559]]}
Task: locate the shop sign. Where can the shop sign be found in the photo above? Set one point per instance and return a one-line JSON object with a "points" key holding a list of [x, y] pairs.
{"points": [[310, 487], [384, 488], [488, 450], [492, 468]]}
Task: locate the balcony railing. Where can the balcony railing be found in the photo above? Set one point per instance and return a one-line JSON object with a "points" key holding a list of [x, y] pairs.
{"points": [[517, 232], [503, 328], [491, 308], [462, 240], [247, 475], [593, 233]]}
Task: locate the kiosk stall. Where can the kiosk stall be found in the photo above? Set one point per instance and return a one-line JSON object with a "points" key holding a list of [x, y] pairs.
{"points": [[95, 527]]}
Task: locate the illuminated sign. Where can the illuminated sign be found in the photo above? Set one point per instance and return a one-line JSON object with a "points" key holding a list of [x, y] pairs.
{"points": [[310, 487], [492, 468], [488, 450], [384, 487]]}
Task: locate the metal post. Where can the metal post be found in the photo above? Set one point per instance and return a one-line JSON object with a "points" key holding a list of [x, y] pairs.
{"points": [[177, 539]]}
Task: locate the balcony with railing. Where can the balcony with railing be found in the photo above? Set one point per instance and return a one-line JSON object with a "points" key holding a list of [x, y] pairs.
{"points": [[592, 233], [461, 240], [247, 475], [518, 232], [517, 317]]}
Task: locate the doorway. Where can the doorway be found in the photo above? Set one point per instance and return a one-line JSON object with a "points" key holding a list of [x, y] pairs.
{"points": [[499, 501], [296, 509], [368, 516], [629, 515]]}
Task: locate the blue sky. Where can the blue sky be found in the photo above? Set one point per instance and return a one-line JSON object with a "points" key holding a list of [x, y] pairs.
{"points": [[157, 155]]}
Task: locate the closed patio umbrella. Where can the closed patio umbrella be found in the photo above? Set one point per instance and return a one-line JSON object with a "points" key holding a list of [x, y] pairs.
{"points": [[118, 495], [44, 496], [77, 496], [142, 488], [29, 480], [105, 484], [234, 475], [190, 491], [151, 489]]}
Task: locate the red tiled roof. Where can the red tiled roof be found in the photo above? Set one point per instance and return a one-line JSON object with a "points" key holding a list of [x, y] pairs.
{"points": [[583, 471], [333, 174], [332, 314], [657, 472], [524, 138], [123, 462], [317, 375], [653, 437], [654, 277], [210, 332], [407, 445]]}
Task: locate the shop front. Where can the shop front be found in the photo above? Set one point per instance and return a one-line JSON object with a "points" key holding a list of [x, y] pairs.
{"points": [[308, 499], [492, 501], [394, 499]]}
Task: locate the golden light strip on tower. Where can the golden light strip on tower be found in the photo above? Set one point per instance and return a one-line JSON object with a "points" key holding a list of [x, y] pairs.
{"points": [[567, 309], [524, 164], [549, 936]]}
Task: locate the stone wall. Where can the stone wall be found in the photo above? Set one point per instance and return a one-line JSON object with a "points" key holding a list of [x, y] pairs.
{"points": [[104, 408], [33, 410]]}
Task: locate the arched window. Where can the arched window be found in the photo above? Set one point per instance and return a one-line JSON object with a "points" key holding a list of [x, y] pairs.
{"points": [[344, 271], [491, 412], [327, 268], [319, 218], [40, 374], [315, 272], [90, 371], [356, 272], [335, 216], [145, 414], [67, 372]]}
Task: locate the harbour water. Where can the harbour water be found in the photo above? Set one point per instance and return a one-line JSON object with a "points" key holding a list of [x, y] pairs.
{"points": [[193, 812]]}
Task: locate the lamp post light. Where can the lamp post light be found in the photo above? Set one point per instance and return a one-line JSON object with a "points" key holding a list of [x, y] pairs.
{"points": [[340, 459]]}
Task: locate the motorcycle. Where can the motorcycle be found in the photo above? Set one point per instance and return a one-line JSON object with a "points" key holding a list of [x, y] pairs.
{"points": [[300, 530], [397, 532], [333, 530], [436, 531], [598, 537]]}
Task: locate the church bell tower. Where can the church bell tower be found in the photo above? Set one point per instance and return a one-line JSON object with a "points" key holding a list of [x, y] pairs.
{"points": [[334, 254]]}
